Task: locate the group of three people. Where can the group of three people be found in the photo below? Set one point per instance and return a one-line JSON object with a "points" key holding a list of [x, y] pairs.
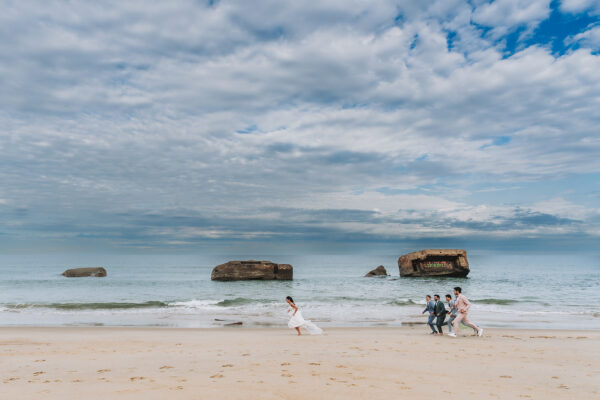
{"points": [[459, 308]]}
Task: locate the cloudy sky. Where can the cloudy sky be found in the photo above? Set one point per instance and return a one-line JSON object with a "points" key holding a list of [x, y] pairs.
{"points": [[197, 125]]}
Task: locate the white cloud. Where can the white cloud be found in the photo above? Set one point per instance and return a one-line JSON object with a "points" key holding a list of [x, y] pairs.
{"points": [[130, 108], [576, 6], [563, 207], [590, 38], [505, 15]]}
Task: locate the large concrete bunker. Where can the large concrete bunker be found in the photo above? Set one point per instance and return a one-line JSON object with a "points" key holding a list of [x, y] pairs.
{"points": [[434, 262]]}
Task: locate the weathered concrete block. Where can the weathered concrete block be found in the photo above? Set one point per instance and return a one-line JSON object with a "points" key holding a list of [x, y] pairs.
{"points": [[434, 262]]}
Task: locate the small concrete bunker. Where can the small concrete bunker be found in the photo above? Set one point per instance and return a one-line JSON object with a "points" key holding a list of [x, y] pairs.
{"points": [[435, 262], [81, 272]]}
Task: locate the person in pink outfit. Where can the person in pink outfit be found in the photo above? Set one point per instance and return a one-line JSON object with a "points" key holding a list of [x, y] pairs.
{"points": [[463, 305]]}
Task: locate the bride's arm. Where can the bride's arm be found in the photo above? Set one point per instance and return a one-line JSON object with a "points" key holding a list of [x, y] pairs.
{"points": [[295, 307]]}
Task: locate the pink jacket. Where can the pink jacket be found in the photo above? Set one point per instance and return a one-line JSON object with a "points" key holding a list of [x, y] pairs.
{"points": [[462, 304]]}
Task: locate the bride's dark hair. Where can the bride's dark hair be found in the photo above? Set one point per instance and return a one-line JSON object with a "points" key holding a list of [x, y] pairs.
{"points": [[290, 299]]}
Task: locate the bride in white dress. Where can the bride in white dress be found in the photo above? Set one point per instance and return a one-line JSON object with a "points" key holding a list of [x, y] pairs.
{"points": [[297, 321]]}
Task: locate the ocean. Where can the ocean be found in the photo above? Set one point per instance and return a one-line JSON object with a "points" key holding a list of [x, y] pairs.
{"points": [[510, 291]]}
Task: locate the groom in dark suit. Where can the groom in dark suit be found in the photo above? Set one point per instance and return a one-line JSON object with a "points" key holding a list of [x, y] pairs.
{"points": [[439, 310]]}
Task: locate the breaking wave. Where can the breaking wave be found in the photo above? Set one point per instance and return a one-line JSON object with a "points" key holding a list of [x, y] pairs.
{"points": [[240, 301], [502, 302], [90, 306], [407, 302]]}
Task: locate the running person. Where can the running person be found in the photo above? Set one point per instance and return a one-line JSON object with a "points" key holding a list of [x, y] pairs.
{"points": [[462, 305]]}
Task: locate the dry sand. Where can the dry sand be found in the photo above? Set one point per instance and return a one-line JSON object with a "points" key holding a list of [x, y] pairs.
{"points": [[240, 363]]}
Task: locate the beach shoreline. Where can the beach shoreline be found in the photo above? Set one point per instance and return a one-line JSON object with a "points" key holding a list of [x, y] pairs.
{"points": [[272, 363], [408, 327]]}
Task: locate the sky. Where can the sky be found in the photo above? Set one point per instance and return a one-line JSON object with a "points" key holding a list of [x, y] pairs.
{"points": [[275, 125]]}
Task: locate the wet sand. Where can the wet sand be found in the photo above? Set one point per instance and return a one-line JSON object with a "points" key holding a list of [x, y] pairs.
{"points": [[240, 363]]}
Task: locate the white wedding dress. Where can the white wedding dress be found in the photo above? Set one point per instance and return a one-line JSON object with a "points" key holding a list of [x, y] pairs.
{"points": [[299, 321]]}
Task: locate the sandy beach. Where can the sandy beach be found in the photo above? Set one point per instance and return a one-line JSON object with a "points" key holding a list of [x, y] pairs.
{"points": [[241, 363]]}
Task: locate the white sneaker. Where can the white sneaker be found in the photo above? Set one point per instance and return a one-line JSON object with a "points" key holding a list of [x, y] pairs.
{"points": [[452, 334], [480, 332]]}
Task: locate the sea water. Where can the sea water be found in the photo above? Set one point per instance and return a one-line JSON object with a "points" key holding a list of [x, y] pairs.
{"points": [[513, 291]]}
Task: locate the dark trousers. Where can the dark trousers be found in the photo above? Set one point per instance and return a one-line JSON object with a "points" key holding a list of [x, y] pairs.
{"points": [[439, 322]]}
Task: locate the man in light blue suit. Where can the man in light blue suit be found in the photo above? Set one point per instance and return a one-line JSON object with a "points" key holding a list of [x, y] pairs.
{"points": [[429, 308]]}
